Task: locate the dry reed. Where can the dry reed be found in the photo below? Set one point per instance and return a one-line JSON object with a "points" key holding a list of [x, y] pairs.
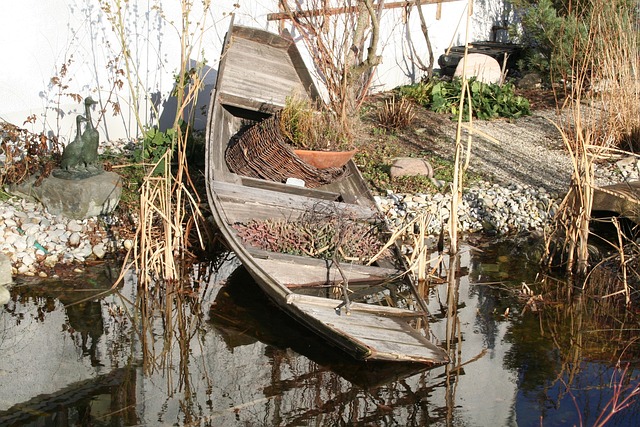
{"points": [[343, 48], [604, 110]]}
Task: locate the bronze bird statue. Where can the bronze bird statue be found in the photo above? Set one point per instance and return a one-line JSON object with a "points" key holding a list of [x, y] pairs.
{"points": [[90, 136], [72, 153]]}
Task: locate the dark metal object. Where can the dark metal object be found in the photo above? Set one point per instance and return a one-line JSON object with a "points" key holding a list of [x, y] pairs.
{"points": [[90, 137], [72, 154], [80, 157]]}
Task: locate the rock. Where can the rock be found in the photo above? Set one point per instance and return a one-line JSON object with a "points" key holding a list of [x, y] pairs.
{"points": [[20, 245], [5, 296], [26, 259], [485, 68], [530, 81], [626, 163], [74, 227], [99, 251], [5, 270], [410, 166], [51, 261], [74, 240], [75, 198]]}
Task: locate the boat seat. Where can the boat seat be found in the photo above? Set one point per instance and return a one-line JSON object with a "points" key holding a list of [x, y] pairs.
{"points": [[297, 271], [243, 204]]}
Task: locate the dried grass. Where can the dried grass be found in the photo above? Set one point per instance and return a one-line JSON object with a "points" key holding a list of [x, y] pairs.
{"points": [[604, 77], [313, 127], [396, 114]]}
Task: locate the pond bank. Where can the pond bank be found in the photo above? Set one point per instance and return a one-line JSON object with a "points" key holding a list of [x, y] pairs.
{"points": [[524, 183], [39, 243]]}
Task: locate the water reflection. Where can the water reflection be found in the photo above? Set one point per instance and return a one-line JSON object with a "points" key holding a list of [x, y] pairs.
{"points": [[215, 351], [54, 355], [244, 315]]}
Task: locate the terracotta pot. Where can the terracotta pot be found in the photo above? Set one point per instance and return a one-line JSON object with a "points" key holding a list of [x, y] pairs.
{"points": [[325, 159]]}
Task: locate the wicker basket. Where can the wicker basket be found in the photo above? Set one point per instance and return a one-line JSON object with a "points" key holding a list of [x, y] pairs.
{"points": [[263, 152]]}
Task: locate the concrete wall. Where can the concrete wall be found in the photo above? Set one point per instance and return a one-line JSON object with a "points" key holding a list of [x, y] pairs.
{"points": [[40, 37]]}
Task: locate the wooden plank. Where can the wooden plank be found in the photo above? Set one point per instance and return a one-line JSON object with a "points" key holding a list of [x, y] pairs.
{"points": [[347, 9], [388, 338], [290, 189], [623, 199], [242, 101], [240, 201], [259, 36], [379, 310], [261, 73], [322, 272]]}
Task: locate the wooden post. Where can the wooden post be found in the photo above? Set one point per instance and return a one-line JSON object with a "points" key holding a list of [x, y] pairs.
{"points": [[350, 9]]}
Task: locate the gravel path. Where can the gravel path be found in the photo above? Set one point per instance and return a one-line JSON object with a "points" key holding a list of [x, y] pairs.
{"points": [[529, 151], [525, 170]]}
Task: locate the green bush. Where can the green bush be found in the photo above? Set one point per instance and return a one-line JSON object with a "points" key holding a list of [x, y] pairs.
{"points": [[552, 32], [488, 101], [154, 145]]}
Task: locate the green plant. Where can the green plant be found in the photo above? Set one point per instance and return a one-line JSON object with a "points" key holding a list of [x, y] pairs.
{"points": [[488, 101], [552, 32], [312, 129], [155, 144], [420, 93]]}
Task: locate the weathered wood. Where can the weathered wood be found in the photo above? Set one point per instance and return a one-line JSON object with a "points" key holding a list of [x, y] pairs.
{"points": [[315, 193], [257, 72], [347, 9], [379, 310], [244, 203], [261, 74], [623, 199], [387, 336], [322, 272]]}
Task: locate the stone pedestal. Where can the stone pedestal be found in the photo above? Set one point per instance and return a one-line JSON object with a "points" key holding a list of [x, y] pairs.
{"points": [[75, 198]]}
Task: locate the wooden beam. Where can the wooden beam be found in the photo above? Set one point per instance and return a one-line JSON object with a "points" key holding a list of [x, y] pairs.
{"points": [[350, 9]]}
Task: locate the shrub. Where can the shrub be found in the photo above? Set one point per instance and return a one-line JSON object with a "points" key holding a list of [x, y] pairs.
{"points": [[154, 146], [396, 114], [552, 32], [488, 101], [312, 129]]}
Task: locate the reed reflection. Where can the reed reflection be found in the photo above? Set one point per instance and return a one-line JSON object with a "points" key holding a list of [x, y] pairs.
{"points": [[171, 328]]}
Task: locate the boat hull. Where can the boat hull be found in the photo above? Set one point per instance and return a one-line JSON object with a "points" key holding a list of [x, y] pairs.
{"points": [[366, 332]]}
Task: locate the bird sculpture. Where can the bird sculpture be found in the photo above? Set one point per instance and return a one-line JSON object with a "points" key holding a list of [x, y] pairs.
{"points": [[90, 137], [72, 153]]}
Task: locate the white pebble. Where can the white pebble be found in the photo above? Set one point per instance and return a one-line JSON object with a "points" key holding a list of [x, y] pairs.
{"points": [[99, 251], [73, 226], [74, 239]]}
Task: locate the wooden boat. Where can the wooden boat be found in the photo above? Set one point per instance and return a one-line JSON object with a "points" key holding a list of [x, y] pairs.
{"points": [[243, 315], [248, 168]]}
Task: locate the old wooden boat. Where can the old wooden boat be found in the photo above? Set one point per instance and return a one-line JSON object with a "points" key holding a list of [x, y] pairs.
{"points": [[249, 174], [242, 315]]}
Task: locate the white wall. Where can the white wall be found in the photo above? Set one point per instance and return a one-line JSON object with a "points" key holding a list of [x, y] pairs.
{"points": [[40, 36]]}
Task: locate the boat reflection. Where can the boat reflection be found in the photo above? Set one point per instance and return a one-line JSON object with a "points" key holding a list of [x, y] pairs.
{"points": [[243, 315]]}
